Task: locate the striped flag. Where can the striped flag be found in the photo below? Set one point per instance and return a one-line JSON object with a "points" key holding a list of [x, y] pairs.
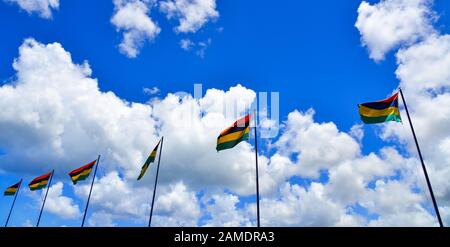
{"points": [[233, 135], [12, 190], [380, 111], [40, 182], [81, 173], [150, 159]]}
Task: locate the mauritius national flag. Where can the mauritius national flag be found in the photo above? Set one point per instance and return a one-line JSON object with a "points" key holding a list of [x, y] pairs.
{"points": [[40, 182], [12, 190], [233, 135], [150, 159], [380, 111], [82, 173]]}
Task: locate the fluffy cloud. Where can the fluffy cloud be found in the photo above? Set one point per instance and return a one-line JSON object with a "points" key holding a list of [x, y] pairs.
{"points": [[423, 66], [132, 18], [223, 211], [176, 206], [397, 206], [61, 205], [192, 14], [317, 146], [422, 70], [391, 23], [426, 85], [298, 206], [46, 130], [108, 197], [42, 7], [68, 110], [64, 108]]}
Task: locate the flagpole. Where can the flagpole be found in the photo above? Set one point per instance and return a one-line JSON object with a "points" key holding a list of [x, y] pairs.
{"points": [[14, 201], [90, 191], [423, 164], [257, 175], [45, 198], [156, 182]]}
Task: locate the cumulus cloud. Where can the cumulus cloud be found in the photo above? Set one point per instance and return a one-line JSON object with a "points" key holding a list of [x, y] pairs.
{"points": [[108, 197], [388, 200], [223, 211], [41, 7], [423, 66], [317, 146], [131, 17], [101, 219], [68, 110], [176, 206], [426, 85], [391, 23], [66, 121], [422, 61], [191, 14], [61, 205]]}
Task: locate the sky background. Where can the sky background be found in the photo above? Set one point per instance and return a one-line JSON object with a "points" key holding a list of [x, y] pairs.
{"points": [[315, 54]]}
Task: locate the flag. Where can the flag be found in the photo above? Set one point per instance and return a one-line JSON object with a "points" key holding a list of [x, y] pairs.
{"points": [[150, 159], [40, 182], [236, 133], [380, 111], [12, 190], [81, 173]]}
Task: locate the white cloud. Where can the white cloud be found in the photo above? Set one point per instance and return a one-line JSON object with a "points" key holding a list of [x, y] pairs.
{"points": [[317, 146], [151, 91], [199, 47], [42, 7], [223, 211], [132, 18], [176, 206], [424, 66], [186, 44], [426, 84], [101, 219], [68, 110], [108, 196], [391, 23], [357, 132], [397, 205], [64, 109], [61, 205], [425, 80], [191, 14], [298, 206]]}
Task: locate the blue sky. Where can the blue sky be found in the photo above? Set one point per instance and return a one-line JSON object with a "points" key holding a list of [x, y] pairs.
{"points": [[308, 51]]}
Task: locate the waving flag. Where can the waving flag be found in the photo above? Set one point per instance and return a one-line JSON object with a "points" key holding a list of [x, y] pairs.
{"points": [[380, 111], [150, 159], [12, 190], [40, 182], [82, 173], [233, 135]]}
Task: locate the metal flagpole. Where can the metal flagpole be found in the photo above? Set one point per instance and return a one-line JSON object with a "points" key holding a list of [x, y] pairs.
{"points": [[156, 182], [45, 198], [90, 191], [423, 164], [257, 176], [14, 201]]}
